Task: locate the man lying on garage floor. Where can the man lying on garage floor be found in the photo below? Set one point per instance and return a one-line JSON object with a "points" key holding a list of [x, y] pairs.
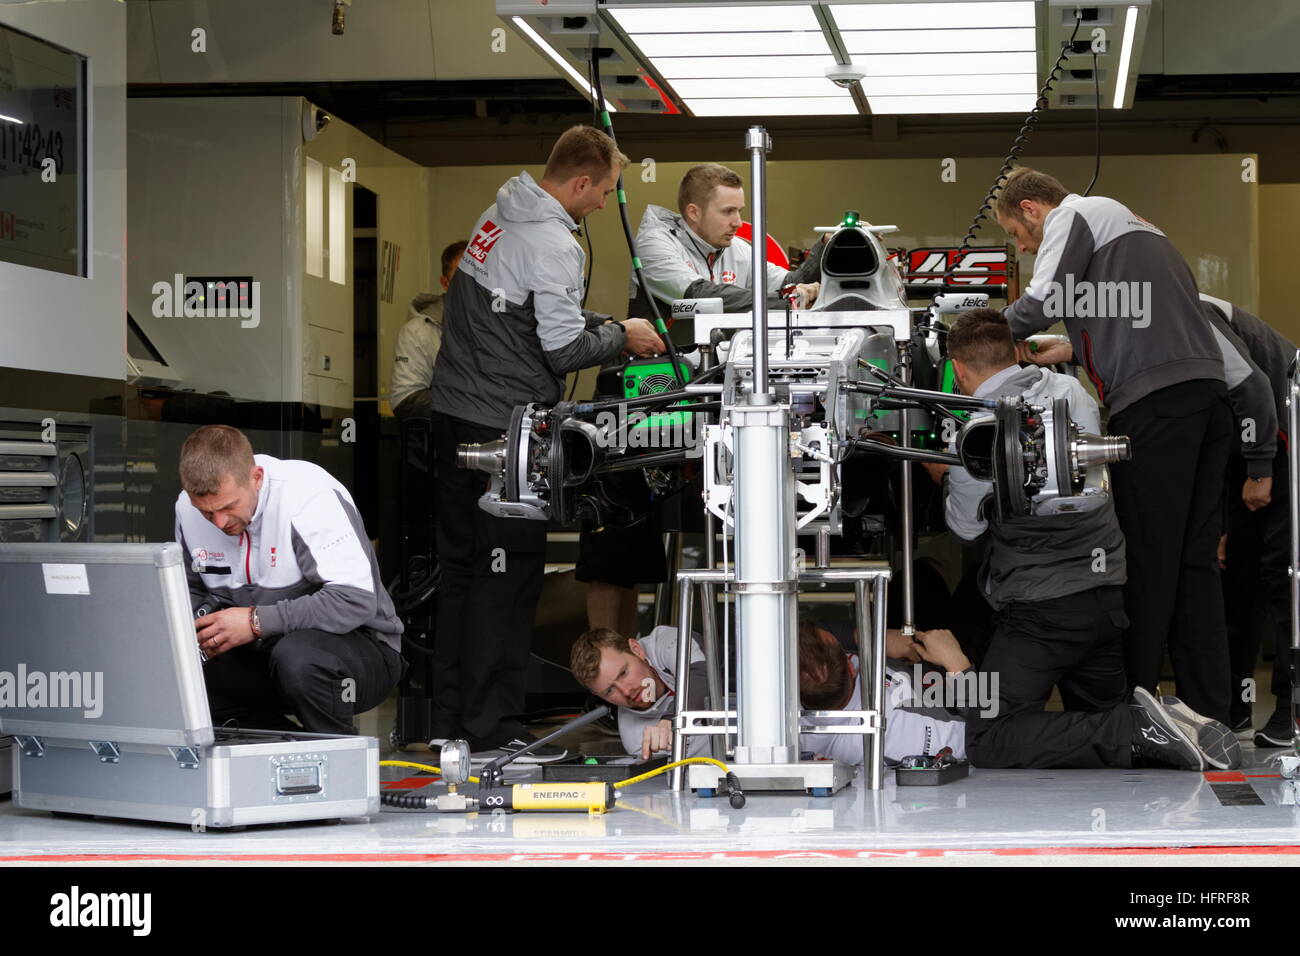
{"points": [[828, 680], [637, 677]]}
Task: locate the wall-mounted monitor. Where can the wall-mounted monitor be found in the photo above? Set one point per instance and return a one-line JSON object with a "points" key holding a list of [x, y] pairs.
{"points": [[42, 154]]}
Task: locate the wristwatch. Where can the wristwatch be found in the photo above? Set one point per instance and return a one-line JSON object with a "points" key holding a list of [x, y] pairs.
{"points": [[255, 625]]}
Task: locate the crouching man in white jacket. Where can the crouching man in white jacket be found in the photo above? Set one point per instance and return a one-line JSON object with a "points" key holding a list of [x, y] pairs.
{"points": [[299, 621]]}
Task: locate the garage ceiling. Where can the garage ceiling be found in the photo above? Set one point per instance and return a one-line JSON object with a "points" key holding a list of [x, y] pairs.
{"points": [[410, 71]]}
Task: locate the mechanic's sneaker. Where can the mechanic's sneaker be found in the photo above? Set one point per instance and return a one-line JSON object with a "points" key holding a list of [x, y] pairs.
{"points": [[1241, 729], [1278, 732], [1220, 746], [1157, 736]]}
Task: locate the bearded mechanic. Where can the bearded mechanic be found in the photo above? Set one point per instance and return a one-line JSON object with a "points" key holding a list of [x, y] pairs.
{"points": [[1160, 371]]}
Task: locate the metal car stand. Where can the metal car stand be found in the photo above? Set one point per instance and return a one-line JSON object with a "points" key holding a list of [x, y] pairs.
{"points": [[765, 586], [822, 777]]}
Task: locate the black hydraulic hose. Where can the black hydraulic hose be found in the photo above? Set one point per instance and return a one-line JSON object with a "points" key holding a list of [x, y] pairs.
{"points": [[407, 801], [735, 796], [894, 380], [709, 374], [638, 401], [897, 451], [417, 594], [608, 125], [492, 771], [904, 393], [893, 406]]}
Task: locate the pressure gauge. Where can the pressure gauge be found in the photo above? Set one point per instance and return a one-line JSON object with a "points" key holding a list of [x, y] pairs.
{"points": [[454, 762]]}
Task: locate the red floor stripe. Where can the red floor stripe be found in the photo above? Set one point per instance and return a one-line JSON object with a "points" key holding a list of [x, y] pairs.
{"points": [[648, 857], [409, 783]]}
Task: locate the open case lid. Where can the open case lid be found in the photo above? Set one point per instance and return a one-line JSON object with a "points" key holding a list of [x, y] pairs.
{"points": [[97, 643]]}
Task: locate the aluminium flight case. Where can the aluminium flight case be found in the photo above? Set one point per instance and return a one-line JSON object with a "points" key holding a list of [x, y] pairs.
{"points": [[123, 727]]}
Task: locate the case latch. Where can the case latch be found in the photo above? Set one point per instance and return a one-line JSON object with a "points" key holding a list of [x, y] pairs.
{"points": [[187, 758], [106, 750]]}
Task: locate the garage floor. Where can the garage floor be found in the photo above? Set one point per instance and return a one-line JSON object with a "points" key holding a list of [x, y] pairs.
{"points": [[1247, 817]]}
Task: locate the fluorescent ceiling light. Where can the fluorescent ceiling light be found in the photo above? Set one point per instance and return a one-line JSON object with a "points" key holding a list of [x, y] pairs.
{"points": [[749, 86], [656, 45], [559, 61], [11, 119], [943, 16], [1125, 56], [771, 60], [884, 105], [942, 64], [728, 67], [952, 85], [684, 18], [775, 106], [936, 41]]}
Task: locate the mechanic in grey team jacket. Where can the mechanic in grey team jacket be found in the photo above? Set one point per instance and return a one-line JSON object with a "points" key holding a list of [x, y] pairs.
{"points": [[513, 326], [1136, 324]]}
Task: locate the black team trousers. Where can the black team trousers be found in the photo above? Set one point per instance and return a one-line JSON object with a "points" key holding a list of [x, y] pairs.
{"points": [[492, 570], [1074, 643], [1256, 590], [1169, 500], [322, 679]]}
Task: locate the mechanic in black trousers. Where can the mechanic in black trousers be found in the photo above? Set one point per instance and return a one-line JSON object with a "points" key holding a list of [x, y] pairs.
{"points": [[1135, 320], [1055, 581], [1256, 549], [513, 326]]}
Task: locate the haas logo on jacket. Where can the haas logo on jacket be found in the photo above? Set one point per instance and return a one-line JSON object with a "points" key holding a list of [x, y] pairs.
{"points": [[484, 240], [728, 277]]}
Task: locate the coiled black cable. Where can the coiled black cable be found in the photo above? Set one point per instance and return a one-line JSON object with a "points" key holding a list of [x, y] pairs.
{"points": [[1008, 164], [586, 230], [418, 594], [1096, 94]]}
